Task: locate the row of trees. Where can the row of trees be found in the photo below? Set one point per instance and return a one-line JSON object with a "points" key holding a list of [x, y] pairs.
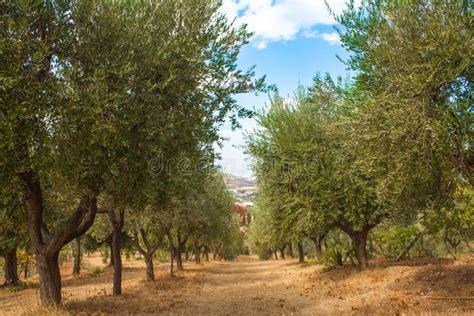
{"points": [[201, 222], [113, 107], [391, 147]]}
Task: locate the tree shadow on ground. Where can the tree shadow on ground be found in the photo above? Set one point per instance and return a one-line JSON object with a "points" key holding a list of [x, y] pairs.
{"points": [[185, 295], [105, 276], [440, 281], [438, 289], [414, 262]]}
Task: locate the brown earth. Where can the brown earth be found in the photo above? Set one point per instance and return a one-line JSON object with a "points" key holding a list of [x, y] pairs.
{"points": [[251, 287]]}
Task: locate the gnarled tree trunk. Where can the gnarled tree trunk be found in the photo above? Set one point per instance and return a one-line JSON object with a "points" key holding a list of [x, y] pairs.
{"points": [[117, 225], [282, 252], [318, 241], [111, 249], [206, 253], [318, 247], [359, 242], [76, 267], [50, 278], [216, 251], [116, 247], [150, 273], [11, 268], [46, 246], [300, 253], [148, 253], [179, 260], [339, 261], [179, 250]]}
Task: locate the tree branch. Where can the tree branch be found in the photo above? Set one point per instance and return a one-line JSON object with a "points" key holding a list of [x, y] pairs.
{"points": [[137, 242], [75, 225], [34, 201]]}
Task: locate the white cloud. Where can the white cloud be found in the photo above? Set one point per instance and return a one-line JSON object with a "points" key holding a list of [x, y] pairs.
{"points": [[261, 45], [230, 8], [310, 33], [281, 20], [331, 38]]}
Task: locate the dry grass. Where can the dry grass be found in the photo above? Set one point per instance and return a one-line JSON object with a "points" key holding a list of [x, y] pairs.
{"points": [[250, 287]]}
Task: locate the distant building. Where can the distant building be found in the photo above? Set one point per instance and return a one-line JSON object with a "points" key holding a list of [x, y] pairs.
{"points": [[243, 190], [241, 210], [246, 204]]}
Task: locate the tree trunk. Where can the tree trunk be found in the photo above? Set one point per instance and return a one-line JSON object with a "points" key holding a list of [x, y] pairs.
{"points": [[150, 273], [186, 255], [339, 261], [11, 266], [454, 244], [318, 244], [149, 251], [275, 254], [359, 241], [46, 246], [117, 225], [171, 261], [282, 252], [409, 246], [197, 255], [300, 253], [216, 251], [206, 253], [111, 262], [318, 247], [117, 260], [290, 250], [451, 246], [50, 279], [76, 268], [179, 260]]}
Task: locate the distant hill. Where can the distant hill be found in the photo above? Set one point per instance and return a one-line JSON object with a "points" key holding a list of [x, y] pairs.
{"points": [[243, 188], [235, 183]]}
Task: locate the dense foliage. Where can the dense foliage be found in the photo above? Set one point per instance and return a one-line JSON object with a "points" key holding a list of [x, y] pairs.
{"points": [[391, 147], [112, 108], [110, 114]]}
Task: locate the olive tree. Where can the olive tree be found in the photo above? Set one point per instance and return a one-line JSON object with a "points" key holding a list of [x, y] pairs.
{"points": [[78, 79]]}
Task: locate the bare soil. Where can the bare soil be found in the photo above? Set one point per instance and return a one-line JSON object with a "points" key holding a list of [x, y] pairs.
{"points": [[251, 287]]}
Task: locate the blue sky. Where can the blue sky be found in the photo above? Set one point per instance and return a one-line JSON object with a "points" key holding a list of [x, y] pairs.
{"points": [[294, 40]]}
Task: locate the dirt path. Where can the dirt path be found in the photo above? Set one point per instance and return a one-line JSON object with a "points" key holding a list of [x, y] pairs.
{"points": [[250, 287]]}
